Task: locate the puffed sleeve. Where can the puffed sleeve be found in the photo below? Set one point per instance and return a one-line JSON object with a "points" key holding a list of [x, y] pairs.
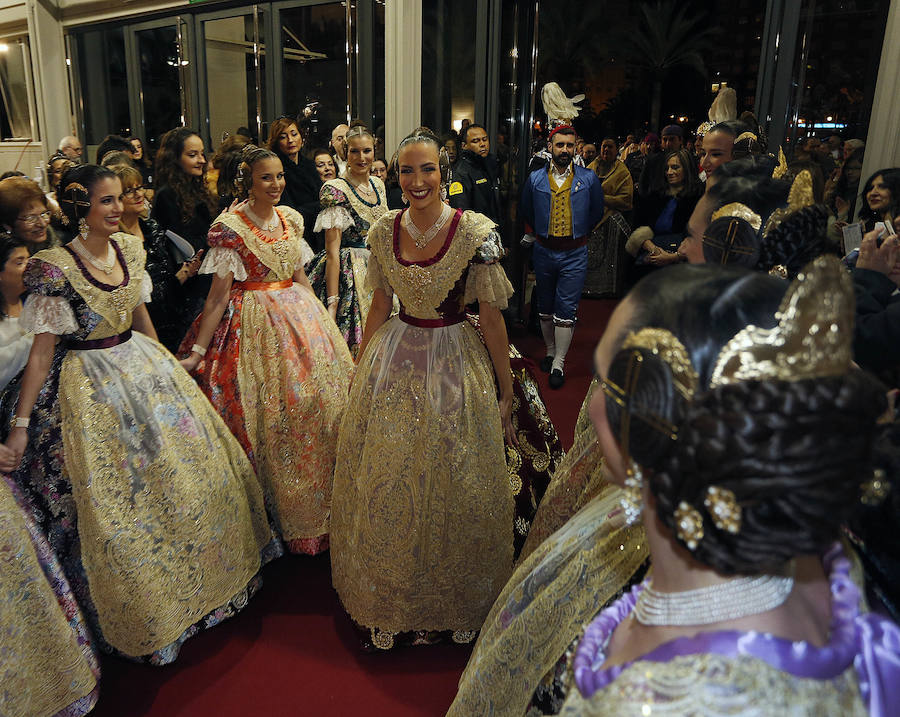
{"points": [[375, 278], [146, 288], [223, 256], [334, 214], [306, 254], [47, 310], [487, 282]]}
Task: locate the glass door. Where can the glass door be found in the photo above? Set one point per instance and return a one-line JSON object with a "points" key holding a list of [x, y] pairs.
{"points": [[233, 66], [314, 71], [160, 77]]}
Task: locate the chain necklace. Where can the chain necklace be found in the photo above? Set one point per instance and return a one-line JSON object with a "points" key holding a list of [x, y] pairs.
{"points": [[421, 238], [732, 600], [105, 266], [366, 188]]}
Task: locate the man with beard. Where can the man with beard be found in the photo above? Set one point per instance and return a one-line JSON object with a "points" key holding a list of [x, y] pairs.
{"points": [[476, 180], [560, 204]]}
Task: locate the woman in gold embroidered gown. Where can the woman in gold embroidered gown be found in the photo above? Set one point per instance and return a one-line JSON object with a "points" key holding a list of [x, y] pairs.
{"points": [[422, 520], [48, 666], [269, 357], [144, 495], [351, 204]]}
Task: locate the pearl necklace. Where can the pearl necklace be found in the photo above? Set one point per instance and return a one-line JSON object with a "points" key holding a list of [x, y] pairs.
{"points": [[421, 238], [105, 266], [735, 599]]}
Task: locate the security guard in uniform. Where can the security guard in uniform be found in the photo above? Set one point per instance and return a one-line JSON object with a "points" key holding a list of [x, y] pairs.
{"points": [[476, 176]]}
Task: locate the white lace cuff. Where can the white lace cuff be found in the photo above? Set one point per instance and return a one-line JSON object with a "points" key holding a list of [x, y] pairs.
{"points": [[146, 288], [48, 315], [306, 254], [333, 218], [219, 260]]}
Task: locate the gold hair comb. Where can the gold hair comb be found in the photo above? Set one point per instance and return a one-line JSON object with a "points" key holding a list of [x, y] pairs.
{"points": [[741, 211], [800, 197], [811, 340]]}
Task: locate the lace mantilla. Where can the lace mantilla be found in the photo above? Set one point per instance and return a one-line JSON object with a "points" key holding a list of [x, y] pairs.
{"points": [[421, 289], [545, 605]]}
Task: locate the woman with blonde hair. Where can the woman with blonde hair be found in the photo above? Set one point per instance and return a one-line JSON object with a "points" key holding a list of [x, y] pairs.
{"points": [[351, 204]]}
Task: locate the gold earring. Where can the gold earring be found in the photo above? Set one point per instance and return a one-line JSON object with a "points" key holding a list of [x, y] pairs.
{"points": [[83, 228]]}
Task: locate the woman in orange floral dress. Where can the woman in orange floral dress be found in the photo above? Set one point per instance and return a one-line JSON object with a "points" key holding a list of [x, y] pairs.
{"points": [[268, 355]]}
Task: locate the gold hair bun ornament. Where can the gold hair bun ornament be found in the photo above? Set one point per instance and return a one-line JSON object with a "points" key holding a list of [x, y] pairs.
{"points": [[813, 337], [723, 508], [74, 186], [688, 525], [800, 197], [746, 135], [663, 343], [782, 167], [739, 211]]}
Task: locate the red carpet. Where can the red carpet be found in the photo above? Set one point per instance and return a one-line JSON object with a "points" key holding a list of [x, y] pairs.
{"points": [[292, 652]]}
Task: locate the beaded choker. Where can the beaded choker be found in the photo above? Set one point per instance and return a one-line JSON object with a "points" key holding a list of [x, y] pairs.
{"points": [[421, 238], [735, 599]]}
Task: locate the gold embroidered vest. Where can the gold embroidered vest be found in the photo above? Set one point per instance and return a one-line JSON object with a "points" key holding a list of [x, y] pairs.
{"points": [[561, 207]]}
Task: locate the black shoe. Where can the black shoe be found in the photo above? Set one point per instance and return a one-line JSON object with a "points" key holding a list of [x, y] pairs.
{"points": [[556, 378], [546, 364]]}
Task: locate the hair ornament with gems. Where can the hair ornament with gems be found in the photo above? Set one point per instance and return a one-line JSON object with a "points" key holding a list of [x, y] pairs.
{"points": [[689, 525], [723, 508]]}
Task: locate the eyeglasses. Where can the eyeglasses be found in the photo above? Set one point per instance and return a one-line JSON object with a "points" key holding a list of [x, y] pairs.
{"points": [[132, 190], [35, 218]]}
